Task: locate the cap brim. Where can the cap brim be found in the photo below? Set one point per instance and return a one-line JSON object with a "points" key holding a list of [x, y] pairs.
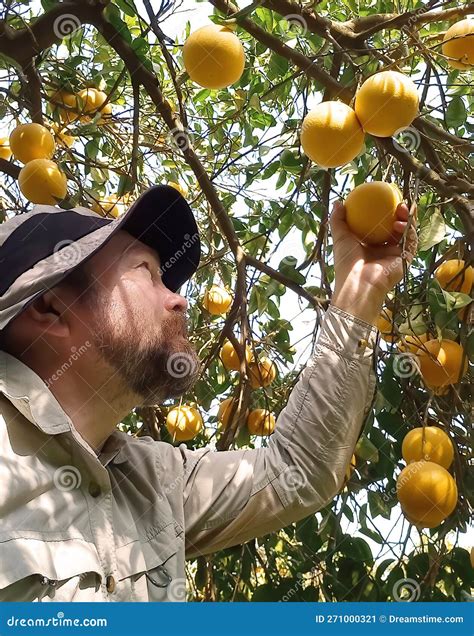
{"points": [[162, 219]]}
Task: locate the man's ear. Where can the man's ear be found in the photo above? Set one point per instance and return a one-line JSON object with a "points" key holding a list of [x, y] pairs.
{"points": [[48, 314]]}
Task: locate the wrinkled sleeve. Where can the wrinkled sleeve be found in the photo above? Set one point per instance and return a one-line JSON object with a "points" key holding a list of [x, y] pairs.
{"points": [[233, 496]]}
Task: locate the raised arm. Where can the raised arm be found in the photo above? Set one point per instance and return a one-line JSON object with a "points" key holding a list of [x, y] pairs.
{"points": [[232, 496]]}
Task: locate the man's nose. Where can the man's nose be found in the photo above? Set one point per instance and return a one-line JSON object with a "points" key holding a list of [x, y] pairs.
{"points": [[176, 302]]}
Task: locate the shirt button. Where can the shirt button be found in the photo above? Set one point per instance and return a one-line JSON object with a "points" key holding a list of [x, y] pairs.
{"points": [[110, 584], [94, 489]]}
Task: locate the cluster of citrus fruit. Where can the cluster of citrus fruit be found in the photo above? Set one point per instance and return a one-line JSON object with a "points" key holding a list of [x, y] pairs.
{"points": [[333, 133], [83, 107], [442, 362], [184, 422], [425, 489], [40, 179]]}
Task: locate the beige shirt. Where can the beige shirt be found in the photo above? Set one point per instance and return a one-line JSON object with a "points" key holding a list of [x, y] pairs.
{"points": [[75, 526]]}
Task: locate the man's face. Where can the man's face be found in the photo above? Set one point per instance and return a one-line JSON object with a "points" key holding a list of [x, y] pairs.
{"points": [[138, 326]]}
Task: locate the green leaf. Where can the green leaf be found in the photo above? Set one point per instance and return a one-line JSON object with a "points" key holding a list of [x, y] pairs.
{"points": [[375, 536], [377, 505], [432, 230], [366, 450], [456, 113]]}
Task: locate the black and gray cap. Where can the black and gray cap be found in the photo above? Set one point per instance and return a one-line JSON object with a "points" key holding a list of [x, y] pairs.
{"points": [[41, 247]]}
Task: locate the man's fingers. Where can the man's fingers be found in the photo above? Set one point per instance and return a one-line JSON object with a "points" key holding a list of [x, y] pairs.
{"points": [[402, 212], [337, 221]]}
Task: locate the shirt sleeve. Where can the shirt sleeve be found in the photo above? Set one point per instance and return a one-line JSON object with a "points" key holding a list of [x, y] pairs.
{"points": [[233, 496]]}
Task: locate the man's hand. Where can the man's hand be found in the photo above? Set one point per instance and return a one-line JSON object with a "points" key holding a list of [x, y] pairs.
{"points": [[365, 273]]}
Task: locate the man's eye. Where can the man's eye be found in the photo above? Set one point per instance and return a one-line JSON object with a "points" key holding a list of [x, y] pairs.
{"points": [[147, 266]]}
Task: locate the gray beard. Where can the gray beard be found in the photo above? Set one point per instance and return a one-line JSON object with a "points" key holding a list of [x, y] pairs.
{"points": [[157, 371]]}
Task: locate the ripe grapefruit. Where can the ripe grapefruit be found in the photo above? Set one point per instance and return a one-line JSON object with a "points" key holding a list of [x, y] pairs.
{"points": [[351, 467], [214, 56], [261, 422], [331, 134], [31, 141], [217, 300], [455, 275], [109, 205], [180, 188], [262, 373], [67, 106], [371, 211], [427, 493], [5, 150], [184, 422], [386, 102], [225, 410], [458, 44], [41, 181], [412, 343], [386, 326], [441, 363], [229, 356], [430, 443]]}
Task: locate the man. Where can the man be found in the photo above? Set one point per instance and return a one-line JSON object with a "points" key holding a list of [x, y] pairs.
{"points": [[91, 320]]}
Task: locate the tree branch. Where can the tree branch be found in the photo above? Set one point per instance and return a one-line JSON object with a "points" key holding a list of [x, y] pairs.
{"points": [[307, 65]]}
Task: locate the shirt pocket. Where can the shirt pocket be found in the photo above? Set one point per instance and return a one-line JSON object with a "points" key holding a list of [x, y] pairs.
{"points": [[153, 570], [35, 570]]}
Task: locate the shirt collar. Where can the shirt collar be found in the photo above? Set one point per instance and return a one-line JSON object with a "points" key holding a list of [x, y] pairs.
{"points": [[31, 396]]}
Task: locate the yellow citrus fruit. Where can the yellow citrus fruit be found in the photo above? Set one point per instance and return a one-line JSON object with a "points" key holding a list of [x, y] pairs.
{"points": [[427, 493], [229, 356], [5, 150], [31, 141], [455, 275], [386, 326], [65, 102], [41, 181], [411, 343], [109, 205], [180, 188], [217, 300], [441, 363], [225, 410], [331, 134], [430, 443], [351, 467], [262, 373], [386, 102], [62, 137], [184, 422], [214, 56], [458, 44], [261, 422], [90, 100], [371, 211], [105, 113]]}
